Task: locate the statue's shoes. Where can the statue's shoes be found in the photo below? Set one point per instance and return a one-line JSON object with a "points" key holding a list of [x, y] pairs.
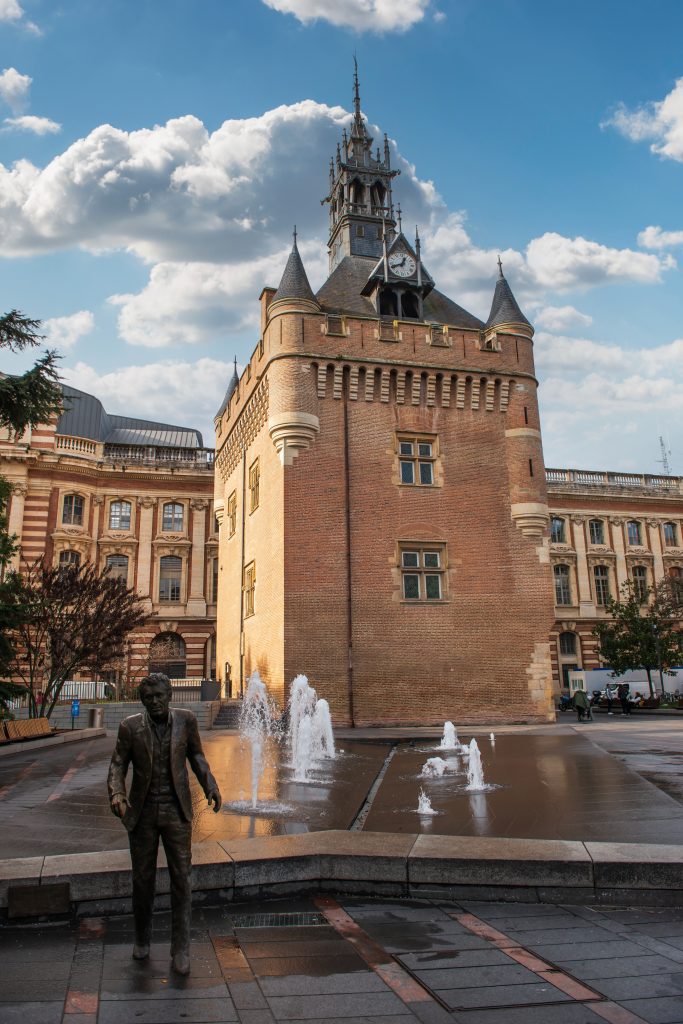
{"points": [[141, 952], [181, 962]]}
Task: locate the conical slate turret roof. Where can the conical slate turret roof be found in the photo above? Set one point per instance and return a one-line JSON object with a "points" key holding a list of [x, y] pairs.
{"points": [[234, 381], [294, 283], [504, 308]]}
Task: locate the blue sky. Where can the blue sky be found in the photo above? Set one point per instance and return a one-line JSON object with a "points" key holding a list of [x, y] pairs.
{"points": [[154, 154]]}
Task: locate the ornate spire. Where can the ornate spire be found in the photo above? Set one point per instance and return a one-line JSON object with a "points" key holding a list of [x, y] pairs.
{"points": [[234, 381], [358, 130], [504, 308]]}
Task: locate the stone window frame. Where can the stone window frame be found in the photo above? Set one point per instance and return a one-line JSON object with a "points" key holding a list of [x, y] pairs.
{"points": [[604, 592], [603, 534], [565, 584], [640, 578], [71, 521], [254, 484], [423, 571], [175, 504], [418, 460], [119, 501], [670, 541], [231, 514], [576, 643], [118, 554], [636, 532], [214, 568], [556, 538], [181, 580], [69, 558], [249, 589]]}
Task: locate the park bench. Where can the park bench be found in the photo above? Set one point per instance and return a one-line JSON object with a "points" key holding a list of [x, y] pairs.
{"points": [[27, 729]]}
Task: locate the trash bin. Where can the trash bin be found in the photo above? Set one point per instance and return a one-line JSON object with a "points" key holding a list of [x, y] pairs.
{"points": [[96, 718]]}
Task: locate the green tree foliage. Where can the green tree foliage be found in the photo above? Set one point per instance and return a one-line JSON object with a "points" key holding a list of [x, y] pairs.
{"points": [[67, 619], [33, 397], [644, 631]]}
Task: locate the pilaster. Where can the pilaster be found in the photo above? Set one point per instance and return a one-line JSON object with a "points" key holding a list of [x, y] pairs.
{"points": [[196, 602]]}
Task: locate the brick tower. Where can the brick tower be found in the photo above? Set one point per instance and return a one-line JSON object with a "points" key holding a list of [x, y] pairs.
{"points": [[380, 484]]}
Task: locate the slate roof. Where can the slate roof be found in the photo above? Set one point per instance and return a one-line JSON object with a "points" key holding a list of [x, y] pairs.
{"points": [[85, 416], [294, 283], [504, 308], [234, 381], [341, 293]]}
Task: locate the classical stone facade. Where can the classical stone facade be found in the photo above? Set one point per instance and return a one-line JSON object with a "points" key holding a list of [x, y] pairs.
{"points": [[136, 498], [605, 529], [380, 484]]}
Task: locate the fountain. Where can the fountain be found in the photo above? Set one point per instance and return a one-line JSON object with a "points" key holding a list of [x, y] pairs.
{"points": [[492, 737], [310, 729], [434, 768], [449, 740], [424, 804], [256, 725], [475, 771]]}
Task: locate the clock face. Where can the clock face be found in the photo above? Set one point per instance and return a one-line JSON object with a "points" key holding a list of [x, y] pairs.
{"points": [[402, 263]]}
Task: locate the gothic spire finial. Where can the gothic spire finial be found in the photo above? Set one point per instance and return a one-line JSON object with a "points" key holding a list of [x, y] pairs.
{"points": [[294, 234], [356, 89], [500, 267], [399, 215]]}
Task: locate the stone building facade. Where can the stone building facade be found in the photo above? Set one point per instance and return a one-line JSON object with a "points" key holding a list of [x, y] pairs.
{"points": [[380, 484], [605, 529], [133, 497]]}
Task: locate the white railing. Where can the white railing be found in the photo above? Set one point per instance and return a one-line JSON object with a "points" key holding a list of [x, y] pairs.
{"points": [[76, 444], [598, 478]]}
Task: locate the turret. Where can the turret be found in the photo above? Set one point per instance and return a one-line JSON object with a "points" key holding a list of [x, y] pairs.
{"points": [[294, 290], [505, 317], [234, 383]]}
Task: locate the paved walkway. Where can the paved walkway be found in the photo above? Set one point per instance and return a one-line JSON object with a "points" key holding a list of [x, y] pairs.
{"points": [[358, 962]]}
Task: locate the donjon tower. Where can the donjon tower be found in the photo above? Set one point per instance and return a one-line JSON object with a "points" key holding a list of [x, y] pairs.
{"points": [[380, 484]]}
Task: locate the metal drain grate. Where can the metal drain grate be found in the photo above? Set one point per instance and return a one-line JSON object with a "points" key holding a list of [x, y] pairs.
{"points": [[300, 920]]}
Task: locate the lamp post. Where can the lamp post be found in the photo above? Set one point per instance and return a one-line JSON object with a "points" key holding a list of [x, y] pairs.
{"points": [[655, 633]]}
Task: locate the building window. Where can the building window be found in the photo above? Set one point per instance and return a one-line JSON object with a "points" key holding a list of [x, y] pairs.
{"points": [[557, 534], [422, 572], [254, 477], [119, 515], [170, 578], [117, 567], [567, 643], [167, 655], [670, 535], [563, 592], [416, 460], [596, 530], [639, 575], [214, 580], [69, 559], [249, 588], [602, 591], [72, 510], [633, 533], [232, 513], [172, 518]]}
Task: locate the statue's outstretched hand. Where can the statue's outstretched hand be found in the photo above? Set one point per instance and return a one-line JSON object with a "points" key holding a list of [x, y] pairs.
{"points": [[119, 805], [214, 797]]}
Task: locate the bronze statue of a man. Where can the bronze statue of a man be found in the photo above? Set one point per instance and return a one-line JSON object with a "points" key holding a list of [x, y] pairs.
{"points": [[157, 743]]}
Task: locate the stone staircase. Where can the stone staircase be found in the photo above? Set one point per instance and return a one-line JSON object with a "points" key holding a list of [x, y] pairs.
{"points": [[228, 716]]}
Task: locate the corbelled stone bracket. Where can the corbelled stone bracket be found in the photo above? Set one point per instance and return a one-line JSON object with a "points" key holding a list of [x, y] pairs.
{"points": [[292, 433]]}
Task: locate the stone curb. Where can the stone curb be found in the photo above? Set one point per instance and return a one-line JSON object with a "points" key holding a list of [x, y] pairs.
{"points": [[51, 741], [371, 863]]}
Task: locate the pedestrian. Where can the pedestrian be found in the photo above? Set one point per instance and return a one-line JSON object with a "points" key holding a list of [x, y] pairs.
{"points": [[623, 695], [157, 743], [581, 704], [610, 699]]}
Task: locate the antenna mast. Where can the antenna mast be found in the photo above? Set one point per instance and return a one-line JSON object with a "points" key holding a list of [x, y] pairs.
{"points": [[666, 455]]}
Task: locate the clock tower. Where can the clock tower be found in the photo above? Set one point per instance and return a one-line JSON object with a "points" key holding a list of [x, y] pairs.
{"points": [[360, 201]]}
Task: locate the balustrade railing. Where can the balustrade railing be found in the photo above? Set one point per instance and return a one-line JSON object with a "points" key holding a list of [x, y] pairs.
{"points": [[598, 478]]}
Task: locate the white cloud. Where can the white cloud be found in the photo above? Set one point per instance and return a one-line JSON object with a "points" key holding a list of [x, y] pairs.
{"points": [[660, 121], [183, 393], [63, 332], [14, 88], [562, 264], [654, 237], [361, 15], [561, 318], [13, 13], [33, 124]]}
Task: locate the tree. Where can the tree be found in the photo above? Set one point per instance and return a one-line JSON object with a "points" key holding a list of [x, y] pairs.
{"points": [[32, 397], [644, 631], [68, 619]]}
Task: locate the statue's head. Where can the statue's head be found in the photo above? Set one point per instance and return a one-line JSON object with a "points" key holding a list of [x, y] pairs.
{"points": [[155, 693]]}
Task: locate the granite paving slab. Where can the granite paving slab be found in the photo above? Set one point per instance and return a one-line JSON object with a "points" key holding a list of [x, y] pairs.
{"points": [[661, 1010], [299, 1007], [157, 1011], [314, 967]]}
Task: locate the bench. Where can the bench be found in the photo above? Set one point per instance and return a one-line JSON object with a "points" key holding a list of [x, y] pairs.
{"points": [[27, 729]]}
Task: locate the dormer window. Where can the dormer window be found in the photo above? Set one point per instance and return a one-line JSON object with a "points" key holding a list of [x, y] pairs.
{"points": [[388, 302]]}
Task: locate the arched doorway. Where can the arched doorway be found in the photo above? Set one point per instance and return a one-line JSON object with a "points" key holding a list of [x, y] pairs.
{"points": [[167, 655]]}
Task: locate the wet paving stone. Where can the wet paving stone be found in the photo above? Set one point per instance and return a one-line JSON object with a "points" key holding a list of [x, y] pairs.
{"points": [[657, 1011], [559, 1013], [198, 1011], [31, 1012], [303, 984], [620, 967], [313, 967], [343, 1005]]}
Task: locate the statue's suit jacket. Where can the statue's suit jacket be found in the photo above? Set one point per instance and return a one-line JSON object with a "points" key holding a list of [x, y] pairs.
{"points": [[134, 745]]}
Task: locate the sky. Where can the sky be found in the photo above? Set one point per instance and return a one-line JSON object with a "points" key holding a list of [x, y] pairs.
{"points": [[155, 154]]}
